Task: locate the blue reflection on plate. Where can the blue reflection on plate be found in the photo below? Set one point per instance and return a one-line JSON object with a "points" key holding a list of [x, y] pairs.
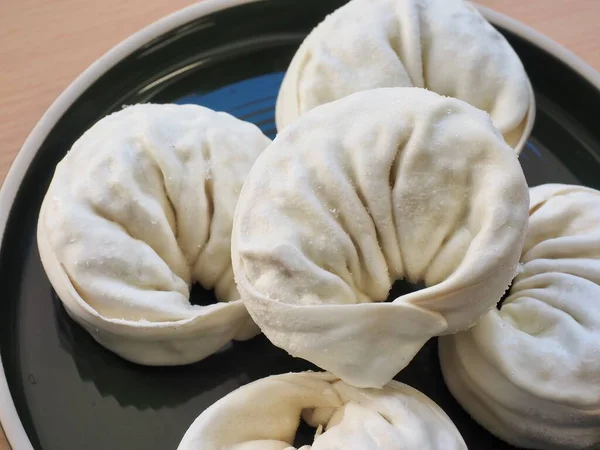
{"points": [[252, 100]]}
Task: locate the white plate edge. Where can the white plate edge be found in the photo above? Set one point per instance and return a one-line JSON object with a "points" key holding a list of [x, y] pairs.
{"points": [[544, 42], [9, 419]]}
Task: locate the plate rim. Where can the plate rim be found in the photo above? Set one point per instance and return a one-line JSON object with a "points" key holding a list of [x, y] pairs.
{"points": [[9, 418]]}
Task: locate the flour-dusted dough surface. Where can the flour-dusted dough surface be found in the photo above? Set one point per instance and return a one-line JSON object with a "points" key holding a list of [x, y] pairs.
{"points": [[265, 414], [389, 184], [141, 207], [445, 46], [530, 372]]}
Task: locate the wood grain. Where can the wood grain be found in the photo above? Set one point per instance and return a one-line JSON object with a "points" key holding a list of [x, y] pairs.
{"points": [[46, 44]]}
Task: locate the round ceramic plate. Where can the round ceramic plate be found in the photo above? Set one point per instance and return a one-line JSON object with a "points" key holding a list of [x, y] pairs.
{"points": [[62, 391]]}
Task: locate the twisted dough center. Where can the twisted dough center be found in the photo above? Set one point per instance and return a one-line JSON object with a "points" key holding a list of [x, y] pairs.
{"points": [[265, 415]]}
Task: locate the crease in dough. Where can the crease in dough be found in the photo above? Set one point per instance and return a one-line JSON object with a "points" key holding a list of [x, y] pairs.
{"points": [[530, 371], [445, 46], [265, 414], [315, 278], [141, 207]]}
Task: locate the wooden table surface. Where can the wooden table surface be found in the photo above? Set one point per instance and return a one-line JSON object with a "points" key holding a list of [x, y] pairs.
{"points": [[45, 44]]}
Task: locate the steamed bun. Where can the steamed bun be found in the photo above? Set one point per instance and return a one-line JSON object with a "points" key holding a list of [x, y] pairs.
{"points": [[265, 414], [140, 208], [445, 46], [383, 185], [530, 371]]}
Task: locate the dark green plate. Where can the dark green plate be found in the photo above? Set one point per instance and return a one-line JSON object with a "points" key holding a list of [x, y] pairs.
{"points": [[70, 393]]}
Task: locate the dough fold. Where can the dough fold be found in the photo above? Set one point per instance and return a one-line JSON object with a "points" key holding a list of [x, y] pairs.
{"points": [[445, 46], [140, 208], [389, 184], [530, 371], [265, 414]]}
